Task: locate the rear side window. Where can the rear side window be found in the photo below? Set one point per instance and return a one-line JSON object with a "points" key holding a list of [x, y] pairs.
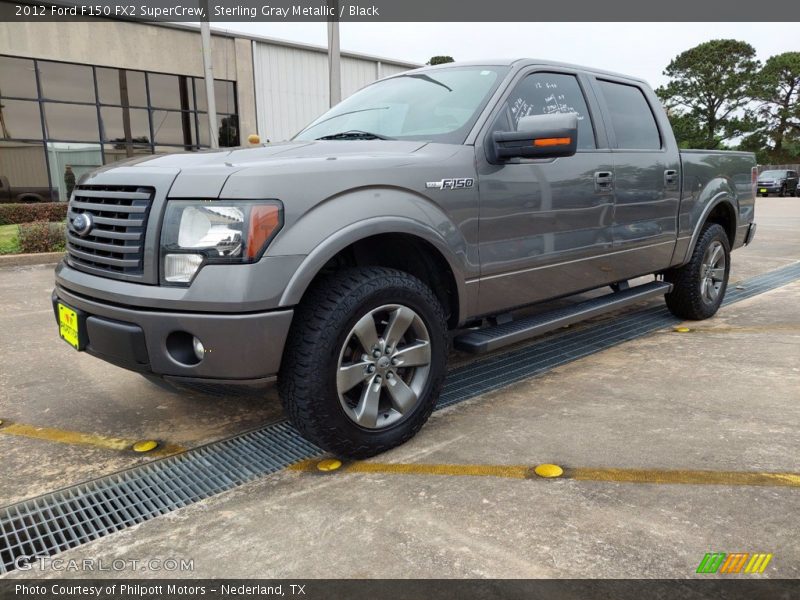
{"points": [[631, 117], [547, 93]]}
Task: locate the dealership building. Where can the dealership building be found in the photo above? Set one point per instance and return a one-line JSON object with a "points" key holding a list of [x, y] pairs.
{"points": [[85, 94]]}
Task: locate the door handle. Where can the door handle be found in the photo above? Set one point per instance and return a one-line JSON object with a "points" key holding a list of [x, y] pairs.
{"points": [[670, 177], [604, 182]]}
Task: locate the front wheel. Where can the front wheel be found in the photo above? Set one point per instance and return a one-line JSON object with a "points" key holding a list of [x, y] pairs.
{"points": [[699, 285], [365, 361]]}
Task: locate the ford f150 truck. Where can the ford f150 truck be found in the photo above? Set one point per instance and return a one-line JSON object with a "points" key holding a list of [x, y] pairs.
{"points": [[421, 211]]}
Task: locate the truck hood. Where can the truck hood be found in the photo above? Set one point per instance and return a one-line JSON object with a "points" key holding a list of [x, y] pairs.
{"points": [[204, 174], [246, 157]]}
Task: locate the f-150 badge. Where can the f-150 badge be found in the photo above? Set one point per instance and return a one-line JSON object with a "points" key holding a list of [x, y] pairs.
{"points": [[458, 183]]}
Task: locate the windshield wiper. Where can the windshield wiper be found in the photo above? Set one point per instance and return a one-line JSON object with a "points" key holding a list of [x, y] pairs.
{"points": [[354, 134], [426, 78], [352, 112]]}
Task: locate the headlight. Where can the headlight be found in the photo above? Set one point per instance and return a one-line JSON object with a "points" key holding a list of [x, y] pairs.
{"points": [[197, 232]]}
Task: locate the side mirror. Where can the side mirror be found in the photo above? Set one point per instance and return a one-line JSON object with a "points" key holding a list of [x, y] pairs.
{"points": [[538, 136]]}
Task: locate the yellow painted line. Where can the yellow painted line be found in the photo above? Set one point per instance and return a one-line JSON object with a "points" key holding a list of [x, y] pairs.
{"points": [[64, 436], [513, 472], [682, 476], [777, 327]]}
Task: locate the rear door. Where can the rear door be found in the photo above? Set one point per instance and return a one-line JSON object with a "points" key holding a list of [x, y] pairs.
{"points": [[544, 222], [646, 178]]}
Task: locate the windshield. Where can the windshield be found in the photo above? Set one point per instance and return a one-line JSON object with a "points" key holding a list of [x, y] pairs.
{"points": [[772, 174], [439, 105]]}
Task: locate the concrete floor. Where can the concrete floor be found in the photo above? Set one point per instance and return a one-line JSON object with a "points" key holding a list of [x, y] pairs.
{"points": [[724, 397]]}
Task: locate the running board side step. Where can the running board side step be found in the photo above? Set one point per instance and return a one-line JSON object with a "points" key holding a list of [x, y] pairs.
{"points": [[488, 339]]}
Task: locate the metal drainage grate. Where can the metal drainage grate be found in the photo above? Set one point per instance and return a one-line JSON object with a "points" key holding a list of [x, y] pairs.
{"points": [[57, 521]]}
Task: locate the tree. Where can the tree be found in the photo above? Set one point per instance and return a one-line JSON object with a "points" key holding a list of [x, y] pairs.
{"points": [[778, 92], [440, 60], [709, 90]]}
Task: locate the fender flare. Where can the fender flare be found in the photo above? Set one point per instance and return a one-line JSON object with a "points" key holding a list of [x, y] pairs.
{"points": [[723, 197], [363, 229]]}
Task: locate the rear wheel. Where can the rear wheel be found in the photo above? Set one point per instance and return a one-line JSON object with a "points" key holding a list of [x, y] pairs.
{"points": [[365, 361], [699, 285]]}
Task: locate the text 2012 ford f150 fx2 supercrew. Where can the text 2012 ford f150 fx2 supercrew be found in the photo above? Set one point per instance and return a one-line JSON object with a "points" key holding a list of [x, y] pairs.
{"points": [[423, 209]]}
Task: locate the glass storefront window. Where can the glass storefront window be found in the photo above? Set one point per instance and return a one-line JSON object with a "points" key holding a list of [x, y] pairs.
{"points": [[113, 124], [168, 149], [59, 127], [174, 127], [113, 84], [120, 151], [23, 172], [17, 78], [227, 130], [169, 91], [76, 122], [66, 82], [80, 158], [21, 120], [224, 95]]}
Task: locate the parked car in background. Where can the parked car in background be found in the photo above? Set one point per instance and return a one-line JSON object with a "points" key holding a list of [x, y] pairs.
{"points": [[22, 194], [783, 182]]}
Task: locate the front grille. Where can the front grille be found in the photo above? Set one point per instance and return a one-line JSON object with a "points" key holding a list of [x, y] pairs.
{"points": [[115, 245]]}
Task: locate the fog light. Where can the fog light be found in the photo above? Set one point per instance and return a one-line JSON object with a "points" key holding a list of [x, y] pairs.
{"points": [[180, 268], [199, 350]]}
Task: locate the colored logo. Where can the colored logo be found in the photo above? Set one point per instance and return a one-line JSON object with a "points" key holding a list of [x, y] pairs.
{"points": [[731, 564]]}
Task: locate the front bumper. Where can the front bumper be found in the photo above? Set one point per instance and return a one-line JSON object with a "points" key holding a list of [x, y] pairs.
{"points": [[240, 348], [771, 188]]}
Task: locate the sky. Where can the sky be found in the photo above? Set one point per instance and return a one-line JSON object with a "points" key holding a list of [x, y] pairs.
{"points": [[636, 49]]}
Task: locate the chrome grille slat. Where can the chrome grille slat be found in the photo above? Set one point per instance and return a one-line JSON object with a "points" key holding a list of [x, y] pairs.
{"points": [[114, 246], [106, 260], [110, 234], [113, 222], [74, 239], [112, 208], [111, 195]]}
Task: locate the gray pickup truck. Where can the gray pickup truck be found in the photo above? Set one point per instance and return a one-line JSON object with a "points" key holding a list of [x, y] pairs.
{"points": [[422, 211]]}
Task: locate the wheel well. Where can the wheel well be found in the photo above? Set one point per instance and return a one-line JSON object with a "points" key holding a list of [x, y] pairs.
{"points": [[29, 198], [406, 253], [723, 214]]}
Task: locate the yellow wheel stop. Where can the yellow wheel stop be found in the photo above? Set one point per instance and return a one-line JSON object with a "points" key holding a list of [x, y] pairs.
{"points": [[548, 470], [145, 446], [329, 464]]}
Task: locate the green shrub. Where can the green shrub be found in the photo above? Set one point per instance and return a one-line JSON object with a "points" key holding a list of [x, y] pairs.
{"points": [[11, 214], [42, 236]]}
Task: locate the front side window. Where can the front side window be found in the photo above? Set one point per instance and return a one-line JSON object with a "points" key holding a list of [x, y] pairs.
{"points": [[631, 118], [549, 93], [440, 105]]}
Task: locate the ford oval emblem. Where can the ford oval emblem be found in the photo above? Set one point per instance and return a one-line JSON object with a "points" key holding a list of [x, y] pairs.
{"points": [[82, 224]]}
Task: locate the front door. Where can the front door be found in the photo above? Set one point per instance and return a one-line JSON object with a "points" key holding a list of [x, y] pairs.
{"points": [[544, 222]]}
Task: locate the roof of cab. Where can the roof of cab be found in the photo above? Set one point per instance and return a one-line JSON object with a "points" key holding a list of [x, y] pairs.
{"points": [[519, 63]]}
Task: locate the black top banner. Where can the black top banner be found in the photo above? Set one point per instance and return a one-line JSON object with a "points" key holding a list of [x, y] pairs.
{"points": [[222, 11]]}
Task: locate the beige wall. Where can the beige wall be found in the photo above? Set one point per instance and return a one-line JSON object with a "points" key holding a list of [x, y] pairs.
{"points": [[137, 46]]}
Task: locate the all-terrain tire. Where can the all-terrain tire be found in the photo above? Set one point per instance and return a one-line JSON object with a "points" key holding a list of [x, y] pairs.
{"points": [[321, 331], [687, 300]]}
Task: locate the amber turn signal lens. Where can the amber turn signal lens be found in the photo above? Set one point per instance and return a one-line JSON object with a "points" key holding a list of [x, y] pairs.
{"points": [[552, 142], [264, 220], [563, 141]]}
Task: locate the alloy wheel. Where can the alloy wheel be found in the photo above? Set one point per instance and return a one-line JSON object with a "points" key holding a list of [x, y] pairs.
{"points": [[383, 366]]}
